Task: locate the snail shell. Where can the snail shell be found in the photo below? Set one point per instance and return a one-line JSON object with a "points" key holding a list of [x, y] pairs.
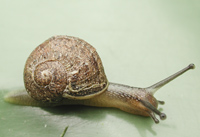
{"points": [[64, 66]]}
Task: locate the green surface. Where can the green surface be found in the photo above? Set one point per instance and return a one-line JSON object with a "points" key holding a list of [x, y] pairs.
{"points": [[139, 42]]}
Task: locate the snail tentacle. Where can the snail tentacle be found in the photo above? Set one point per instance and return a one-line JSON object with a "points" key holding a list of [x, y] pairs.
{"points": [[152, 89]]}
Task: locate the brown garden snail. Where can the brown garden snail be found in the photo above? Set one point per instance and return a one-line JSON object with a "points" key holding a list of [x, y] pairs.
{"points": [[66, 70]]}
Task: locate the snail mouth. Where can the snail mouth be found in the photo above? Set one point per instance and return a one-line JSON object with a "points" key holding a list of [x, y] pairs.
{"points": [[86, 92]]}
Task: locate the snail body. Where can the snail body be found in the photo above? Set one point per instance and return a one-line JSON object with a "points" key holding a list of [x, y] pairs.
{"points": [[66, 70]]}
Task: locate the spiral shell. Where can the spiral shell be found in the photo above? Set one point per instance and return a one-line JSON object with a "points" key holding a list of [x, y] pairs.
{"points": [[64, 67]]}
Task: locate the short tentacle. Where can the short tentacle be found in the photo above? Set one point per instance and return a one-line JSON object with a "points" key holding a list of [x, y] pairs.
{"points": [[152, 115], [153, 110], [161, 102]]}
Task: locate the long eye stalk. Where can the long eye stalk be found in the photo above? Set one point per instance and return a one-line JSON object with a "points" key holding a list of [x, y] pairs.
{"points": [[152, 89]]}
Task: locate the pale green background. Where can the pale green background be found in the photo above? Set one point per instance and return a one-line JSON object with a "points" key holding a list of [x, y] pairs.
{"points": [[139, 42]]}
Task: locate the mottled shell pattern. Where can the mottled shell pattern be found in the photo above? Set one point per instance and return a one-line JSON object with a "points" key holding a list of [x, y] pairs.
{"points": [[64, 67]]}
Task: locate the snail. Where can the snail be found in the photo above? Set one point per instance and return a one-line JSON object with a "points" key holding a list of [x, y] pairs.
{"points": [[66, 70]]}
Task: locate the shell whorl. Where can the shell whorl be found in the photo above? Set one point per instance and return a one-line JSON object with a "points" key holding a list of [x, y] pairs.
{"points": [[64, 66]]}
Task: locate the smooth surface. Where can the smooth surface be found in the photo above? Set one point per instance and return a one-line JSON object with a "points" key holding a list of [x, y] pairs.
{"points": [[139, 42]]}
